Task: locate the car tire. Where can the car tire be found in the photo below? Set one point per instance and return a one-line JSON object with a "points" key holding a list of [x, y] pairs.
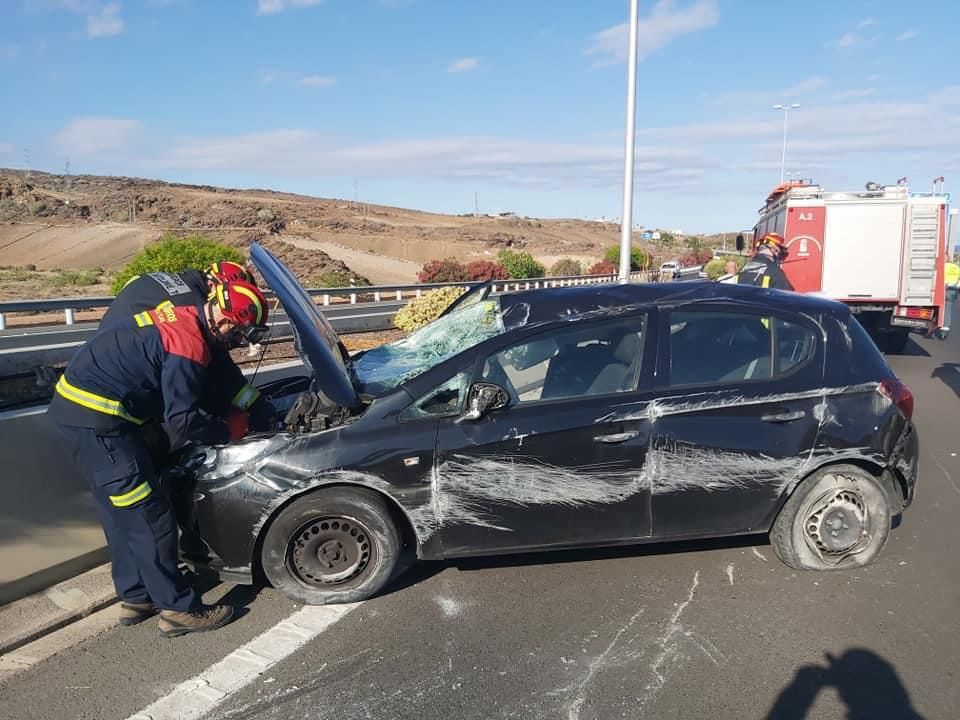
{"points": [[335, 545], [838, 518]]}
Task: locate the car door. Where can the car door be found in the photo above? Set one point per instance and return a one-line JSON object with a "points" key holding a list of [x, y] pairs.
{"points": [[550, 469], [736, 419]]}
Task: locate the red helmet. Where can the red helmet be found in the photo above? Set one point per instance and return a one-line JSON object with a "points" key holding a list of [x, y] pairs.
{"points": [[775, 239], [241, 302], [225, 271]]}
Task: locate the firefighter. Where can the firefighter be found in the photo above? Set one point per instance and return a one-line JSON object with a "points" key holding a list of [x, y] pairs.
{"points": [[126, 376], [151, 290], [763, 269], [952, 281]]}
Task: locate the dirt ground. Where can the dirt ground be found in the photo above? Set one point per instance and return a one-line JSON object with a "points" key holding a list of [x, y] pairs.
{"points": [[51, 222]]}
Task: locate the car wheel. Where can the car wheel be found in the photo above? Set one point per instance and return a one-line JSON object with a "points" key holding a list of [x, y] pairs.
{"points": [[836, 519], [336, 545]]}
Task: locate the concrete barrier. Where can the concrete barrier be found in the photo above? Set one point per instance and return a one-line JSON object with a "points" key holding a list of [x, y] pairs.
{"points": [[48, 526]]}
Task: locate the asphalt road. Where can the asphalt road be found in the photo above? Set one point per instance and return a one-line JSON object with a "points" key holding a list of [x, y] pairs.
{"points": [[709, 630]]}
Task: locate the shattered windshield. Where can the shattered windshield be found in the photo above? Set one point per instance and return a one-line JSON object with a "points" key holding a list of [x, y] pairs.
{"points": [[382, 369]]}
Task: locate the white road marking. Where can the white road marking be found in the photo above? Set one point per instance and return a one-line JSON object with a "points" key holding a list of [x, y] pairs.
{"points": [[759, 554], [194, 698], [730, 573]]}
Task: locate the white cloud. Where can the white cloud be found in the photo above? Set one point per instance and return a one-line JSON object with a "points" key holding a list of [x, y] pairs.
{"points": [[106, 22], [848, 40], [272, 7], [318, 81], [759, 98], [855, 39], [854, 94], [464, 65], [94, 135], [268, 77], [654, 32], [866, 22], [907, 35]]}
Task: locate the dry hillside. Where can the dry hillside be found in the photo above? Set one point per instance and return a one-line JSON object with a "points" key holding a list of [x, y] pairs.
{"points": [[50, 223]]}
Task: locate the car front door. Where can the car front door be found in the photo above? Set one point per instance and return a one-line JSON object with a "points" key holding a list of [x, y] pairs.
{"points": [[550, 469], [736, 419]]}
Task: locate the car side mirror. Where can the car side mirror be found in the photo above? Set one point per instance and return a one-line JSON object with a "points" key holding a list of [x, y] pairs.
{"points": [[483, 398], [740, 243]]}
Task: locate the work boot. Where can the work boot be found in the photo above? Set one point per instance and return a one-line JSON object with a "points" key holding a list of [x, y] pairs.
{"points": [[208, 617], [135, 613]]}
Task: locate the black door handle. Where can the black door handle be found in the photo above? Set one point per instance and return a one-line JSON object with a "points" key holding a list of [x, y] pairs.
{"points": [[784, 417], [616, 437]]}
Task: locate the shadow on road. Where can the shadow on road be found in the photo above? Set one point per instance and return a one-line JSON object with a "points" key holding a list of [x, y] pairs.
{"points": [[867, 684], [949, 375], [412, 572]]}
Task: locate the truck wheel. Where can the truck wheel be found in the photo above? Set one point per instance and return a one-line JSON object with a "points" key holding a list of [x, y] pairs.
{"points": [[895, 341], [337, 545], [836, 519]]}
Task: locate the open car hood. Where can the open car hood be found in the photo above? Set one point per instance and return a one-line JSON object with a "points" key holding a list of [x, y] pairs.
{"points": [[314, 337]]}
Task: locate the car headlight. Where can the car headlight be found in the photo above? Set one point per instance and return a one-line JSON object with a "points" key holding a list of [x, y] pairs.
{"points": [[227, 461]]}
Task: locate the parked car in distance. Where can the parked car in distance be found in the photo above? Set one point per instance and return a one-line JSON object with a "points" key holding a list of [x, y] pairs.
{"points": [[560, 418]]}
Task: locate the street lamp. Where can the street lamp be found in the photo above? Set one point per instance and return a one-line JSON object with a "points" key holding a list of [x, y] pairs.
{"points": [[786, 112], [626, 219]]}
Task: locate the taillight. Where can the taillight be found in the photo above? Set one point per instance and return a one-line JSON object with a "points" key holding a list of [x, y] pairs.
{"points": [[899, 394]]}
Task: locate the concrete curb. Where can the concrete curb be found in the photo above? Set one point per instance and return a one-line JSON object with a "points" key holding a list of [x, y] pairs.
{"points": [[32, 617]]}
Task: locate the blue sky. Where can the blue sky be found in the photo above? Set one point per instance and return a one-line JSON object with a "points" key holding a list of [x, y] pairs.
{"points": [[422, 103]]}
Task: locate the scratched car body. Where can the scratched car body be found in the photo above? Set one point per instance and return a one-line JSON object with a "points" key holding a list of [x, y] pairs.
{"points": [[560, 418]]}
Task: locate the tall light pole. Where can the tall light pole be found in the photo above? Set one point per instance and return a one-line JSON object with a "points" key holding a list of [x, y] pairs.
{"points": [[786, 112], [626, 218]]}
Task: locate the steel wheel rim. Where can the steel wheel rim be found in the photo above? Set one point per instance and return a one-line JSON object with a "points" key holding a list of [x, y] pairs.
{"points": [[332, 551], [838, 524]]}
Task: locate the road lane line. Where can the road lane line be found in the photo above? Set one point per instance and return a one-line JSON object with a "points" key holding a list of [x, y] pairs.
{"points": [[194, 698]]}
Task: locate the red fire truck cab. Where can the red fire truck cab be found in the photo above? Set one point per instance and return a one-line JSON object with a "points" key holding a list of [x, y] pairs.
{"points": [[881, 251]]}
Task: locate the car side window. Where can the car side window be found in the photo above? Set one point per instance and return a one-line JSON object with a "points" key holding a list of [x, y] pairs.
{"points": [[711, 348], [576, 361], [442, 401]]}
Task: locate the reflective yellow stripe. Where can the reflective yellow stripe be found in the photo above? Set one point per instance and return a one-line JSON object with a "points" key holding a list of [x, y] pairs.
{"points": [[164, 304], [253, 300], [247, 396], [140, 492], [135, 277], [143, 319], [93, 402], [766, 281]]}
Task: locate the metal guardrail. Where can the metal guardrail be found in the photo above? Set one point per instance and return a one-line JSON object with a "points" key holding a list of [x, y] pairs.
{"points": [[379, 293]]}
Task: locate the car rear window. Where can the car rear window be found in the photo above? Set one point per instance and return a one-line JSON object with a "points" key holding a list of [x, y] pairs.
{"points": [[711, 348], [866, 362]]}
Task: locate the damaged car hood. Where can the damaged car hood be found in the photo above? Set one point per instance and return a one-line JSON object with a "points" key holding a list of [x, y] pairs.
{"points": [[315, 339]]}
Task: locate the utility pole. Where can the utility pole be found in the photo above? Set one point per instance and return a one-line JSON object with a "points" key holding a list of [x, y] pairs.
{"points": [[26, 163], [356, 190], [476, 206], [626, 219], [67, 180], [786, 112]]}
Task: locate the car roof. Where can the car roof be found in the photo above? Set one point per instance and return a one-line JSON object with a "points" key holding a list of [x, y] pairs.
{"points": [[551, 304]]}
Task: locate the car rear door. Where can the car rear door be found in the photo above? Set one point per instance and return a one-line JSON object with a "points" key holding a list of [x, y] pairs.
{"points": [[553, 468], [736, 419]]}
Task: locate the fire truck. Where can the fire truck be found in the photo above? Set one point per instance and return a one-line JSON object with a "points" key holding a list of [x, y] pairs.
{"points": [[881, 251]]}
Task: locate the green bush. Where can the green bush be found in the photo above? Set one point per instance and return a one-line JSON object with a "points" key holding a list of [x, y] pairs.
{"points": [[337, 279], [639, 260], [426, 308], [74, 278], [715, 268], [566, 268], [176, 254], [521, 265]]}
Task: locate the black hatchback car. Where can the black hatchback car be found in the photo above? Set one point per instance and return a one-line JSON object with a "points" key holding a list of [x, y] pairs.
{"points": [[560, 418]]}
